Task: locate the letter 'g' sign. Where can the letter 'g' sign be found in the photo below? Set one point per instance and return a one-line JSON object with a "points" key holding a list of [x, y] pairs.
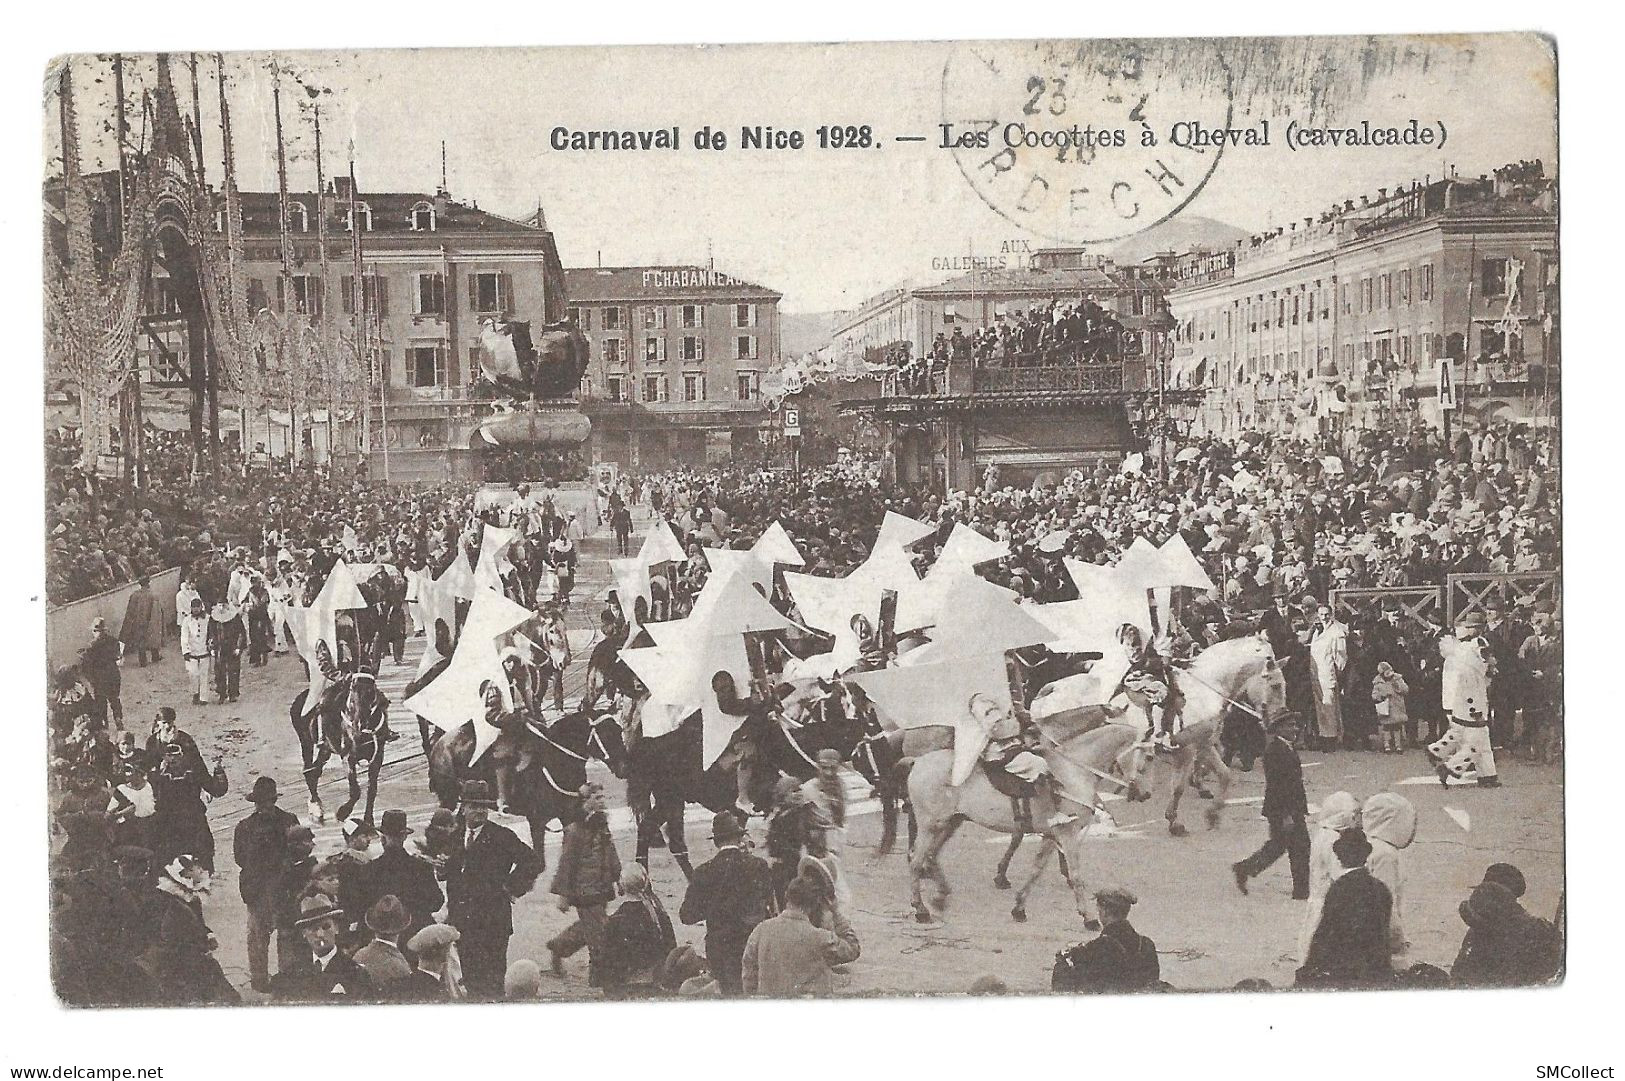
{"points": [[792, 421]]}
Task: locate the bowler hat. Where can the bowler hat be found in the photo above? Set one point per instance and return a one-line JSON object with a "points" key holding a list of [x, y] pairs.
{"points": [[475, 794], [393, 824], [316, 908], [264, 790], [725, 828], [388, 916]]}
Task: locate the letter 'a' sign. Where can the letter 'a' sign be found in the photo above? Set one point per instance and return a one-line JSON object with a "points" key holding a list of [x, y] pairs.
{"points": [[792, 421], [1447, 383]]}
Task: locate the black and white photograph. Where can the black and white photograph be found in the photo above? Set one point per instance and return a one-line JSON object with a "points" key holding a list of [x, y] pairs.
{"points": [[666, 523]]}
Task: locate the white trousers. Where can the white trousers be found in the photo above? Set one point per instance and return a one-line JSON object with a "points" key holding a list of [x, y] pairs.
{"points": [[197, 676], [1463, 749]]}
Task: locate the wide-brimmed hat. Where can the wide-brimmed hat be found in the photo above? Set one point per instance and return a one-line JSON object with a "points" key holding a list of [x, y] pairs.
{"points": [[388, 916], [263, 791], [393, 824], [820, 870], [475, 794], [436, 936], [316, 908]]}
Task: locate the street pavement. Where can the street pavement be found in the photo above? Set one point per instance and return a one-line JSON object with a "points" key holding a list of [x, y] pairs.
{"points": [[1208, 935]]}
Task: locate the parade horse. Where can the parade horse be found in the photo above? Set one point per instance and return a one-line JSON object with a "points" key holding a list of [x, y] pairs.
{"points": [[664, 775], [352, 727], [1239, 673], [552, 767], [1081, 756]]}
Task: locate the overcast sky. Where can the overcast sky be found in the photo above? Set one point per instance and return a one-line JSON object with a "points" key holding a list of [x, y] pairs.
{"points": [[825, 228]]}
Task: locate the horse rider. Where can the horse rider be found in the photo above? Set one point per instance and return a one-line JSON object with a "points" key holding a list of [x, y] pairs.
{"points": [[338, 674], [1147, 680], [510, 753], [1012, 749]]}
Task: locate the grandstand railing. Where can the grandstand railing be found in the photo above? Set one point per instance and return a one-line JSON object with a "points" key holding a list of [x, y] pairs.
{"points": [[1469, 592], [1419, 605], [1048, 378]]}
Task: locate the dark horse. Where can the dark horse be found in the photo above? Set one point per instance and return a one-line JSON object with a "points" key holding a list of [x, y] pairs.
{"points": [[351, 727], [552, 767], [664, 776]]}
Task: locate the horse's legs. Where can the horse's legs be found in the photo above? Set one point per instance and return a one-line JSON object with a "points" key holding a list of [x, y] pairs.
{"points": [[315, 759], [675, 839], [1185, 766], [1070, 847], [1001, 877], [1222, 772], [373, 769], [538, 837], [1040, 861], [355, 790], [921, 864]]}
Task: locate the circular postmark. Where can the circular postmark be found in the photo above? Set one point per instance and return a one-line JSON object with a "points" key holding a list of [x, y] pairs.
{"points": [[1074, 141]]}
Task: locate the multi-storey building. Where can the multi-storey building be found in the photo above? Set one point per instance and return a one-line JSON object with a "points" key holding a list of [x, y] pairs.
{"points": [[677, 358], [1346, 318]]}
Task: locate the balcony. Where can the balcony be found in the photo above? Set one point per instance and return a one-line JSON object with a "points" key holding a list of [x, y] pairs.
{"points": [[1048, 379]]}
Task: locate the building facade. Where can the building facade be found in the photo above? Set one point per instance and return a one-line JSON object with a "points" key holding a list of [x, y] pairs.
{"points": [[678, 353], [1347, 319]]}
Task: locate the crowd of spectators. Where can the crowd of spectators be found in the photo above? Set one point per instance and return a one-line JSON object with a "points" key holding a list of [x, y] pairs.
{"points": [[1055, 333]]}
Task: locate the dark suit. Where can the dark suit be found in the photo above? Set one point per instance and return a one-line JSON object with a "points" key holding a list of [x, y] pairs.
{"points": [[1286, 808], [259, 845], [396, 871], [482, 881], [1121, 959], [730, 893], [341, 981], [1505, 640]]}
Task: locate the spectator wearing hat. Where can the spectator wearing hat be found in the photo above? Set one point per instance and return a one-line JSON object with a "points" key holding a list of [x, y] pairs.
{"points": [[1286, 809], [227, 638], [99, 663], [730, 893], [1505, 945], [487, 871], [186, 971], [142, 631], [1541, 656], [438, 976], [180, 781], [585, 880], [132, 805], [1118, 959], [382, 958], [331, 976], [352, 862], [398, 873], [1351, 945], [298, 867], [259, 846], [794, 952], [1328, 657], [637, 939]]}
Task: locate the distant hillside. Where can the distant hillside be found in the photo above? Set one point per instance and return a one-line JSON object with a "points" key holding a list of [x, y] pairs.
{"points": [[803, 332], [1181, 233]]}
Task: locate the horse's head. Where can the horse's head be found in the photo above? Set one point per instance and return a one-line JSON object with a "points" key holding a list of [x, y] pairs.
{"points": [[607, 743], [365, 706]]}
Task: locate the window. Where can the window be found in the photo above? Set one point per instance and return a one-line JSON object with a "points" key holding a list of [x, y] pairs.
{"points": [[1387, 290], [256, 295], [384, 363], [612, 350], [1425, 286], [490, 291], [220, 220], [376, 300], [431, 298], [655, 388], [744, 315], [1494, 277], [693, 349], [746, 382], [612, 388], [693, 315], [307, 294], [426, 366], [423, 218], [1347, 298], [693, 387], [581, 317], [745, 347], [654, 319], [1365, 350], [1297, 302], [612, 318], [298, 216], [1365, 294], [948, 314], [1405, 286], [366, 218], [654, 350], [1405, 351], [1500, 345]]}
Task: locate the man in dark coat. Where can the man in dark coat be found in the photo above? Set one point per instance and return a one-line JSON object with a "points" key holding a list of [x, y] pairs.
{"points": [[399, 873], [180, 780], [259, 845], [730, 893], [1505, 637], [298, 865], [331, 976], [1505, 946], [1286, 809], [587, 874], [183, 949], [1120, 959], [228, 636], [488, 870], [1350, 947], [142, 631], [99, 661]]}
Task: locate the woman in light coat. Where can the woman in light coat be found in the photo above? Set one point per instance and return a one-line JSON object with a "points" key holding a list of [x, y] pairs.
{"points": [[1338, 811], [1389, 822]]}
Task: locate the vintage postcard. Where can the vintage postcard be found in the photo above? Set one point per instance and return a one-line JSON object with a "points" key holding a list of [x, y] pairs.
{"points": [[838, 520]]}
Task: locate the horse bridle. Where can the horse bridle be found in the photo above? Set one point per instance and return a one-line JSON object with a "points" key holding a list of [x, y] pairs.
{"points": [[1225, 698]]}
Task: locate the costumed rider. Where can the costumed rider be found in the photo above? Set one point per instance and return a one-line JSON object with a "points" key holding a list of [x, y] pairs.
{"points": [[1012, 750], [742, 752], [1469, 666], [872, 652], [1147, 680], [338, 674], [510, 753]]}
